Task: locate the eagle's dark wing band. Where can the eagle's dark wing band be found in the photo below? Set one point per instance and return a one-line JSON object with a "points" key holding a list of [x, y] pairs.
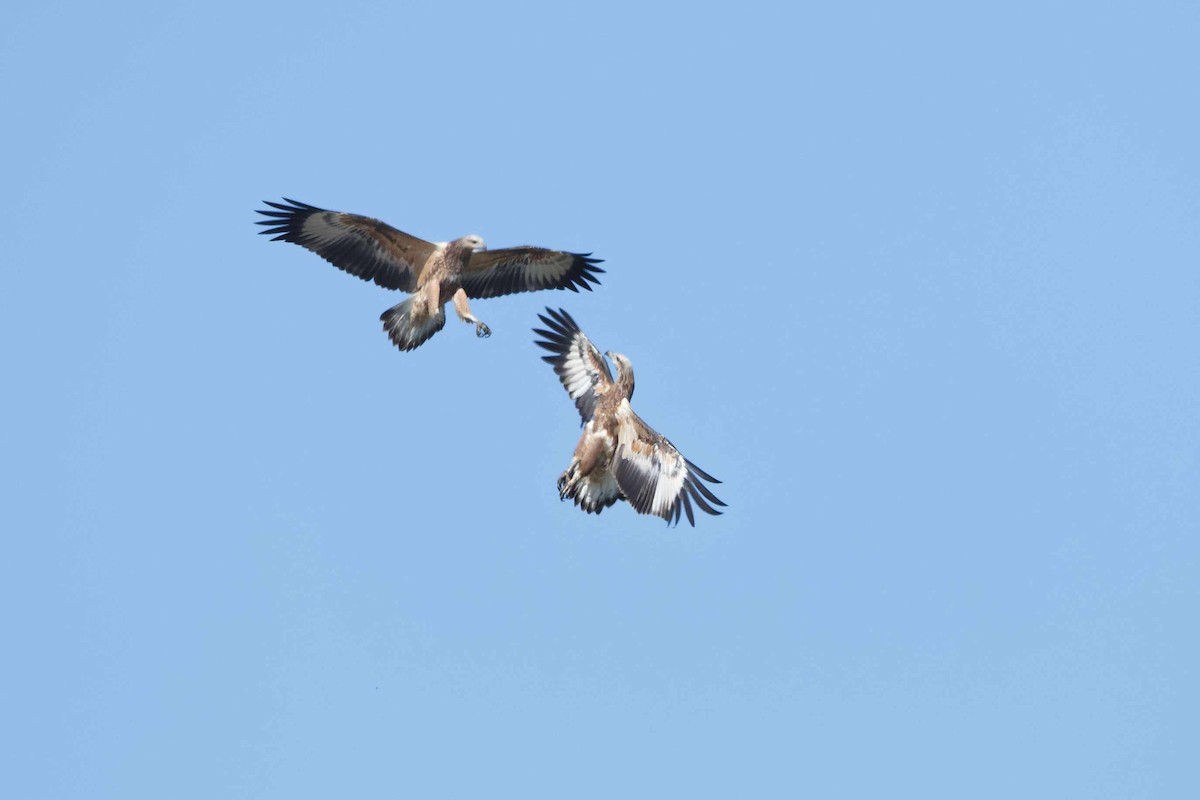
{"points": [[491, 273], [362, 246], [578, 364]]}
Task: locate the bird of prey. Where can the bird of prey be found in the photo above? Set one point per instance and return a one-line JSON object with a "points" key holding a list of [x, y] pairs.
{"points": [[433, 272], [619, 456]]}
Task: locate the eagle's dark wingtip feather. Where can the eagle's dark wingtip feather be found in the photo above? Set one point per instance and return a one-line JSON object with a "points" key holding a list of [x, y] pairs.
{"points": [[563, 322], [700, 472], [301, 206], [706, 492], [704, 506], [559, 329], [571, 323]]}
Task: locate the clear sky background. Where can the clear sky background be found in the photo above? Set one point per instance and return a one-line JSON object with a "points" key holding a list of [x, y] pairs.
{"points": [[919, 284]]}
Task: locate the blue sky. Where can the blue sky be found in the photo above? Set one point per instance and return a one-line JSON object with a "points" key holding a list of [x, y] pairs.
{"points": [[920, 285]]}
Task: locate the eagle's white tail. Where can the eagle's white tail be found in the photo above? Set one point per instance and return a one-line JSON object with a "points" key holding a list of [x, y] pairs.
{"points": [[408, 330]]}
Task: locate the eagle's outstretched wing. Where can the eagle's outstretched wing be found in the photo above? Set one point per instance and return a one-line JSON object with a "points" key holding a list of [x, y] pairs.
{"points": [[362, 246], [491, 273], [579, 365], [655, 477]]}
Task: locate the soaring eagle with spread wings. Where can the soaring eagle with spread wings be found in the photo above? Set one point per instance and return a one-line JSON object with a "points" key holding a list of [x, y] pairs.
{"points": [[433, 272], [619, 456]]}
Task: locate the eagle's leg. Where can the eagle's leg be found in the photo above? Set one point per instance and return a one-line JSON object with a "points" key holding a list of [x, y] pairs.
{"points": [[588, 455], [464, 313], [432, 295]]}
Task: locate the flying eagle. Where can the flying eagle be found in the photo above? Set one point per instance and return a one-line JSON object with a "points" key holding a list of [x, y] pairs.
{"points": [[619, 456], [433, 272]]}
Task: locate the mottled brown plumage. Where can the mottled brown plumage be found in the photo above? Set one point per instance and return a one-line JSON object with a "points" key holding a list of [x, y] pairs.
{"points": [[434, 272], [619, 456]]}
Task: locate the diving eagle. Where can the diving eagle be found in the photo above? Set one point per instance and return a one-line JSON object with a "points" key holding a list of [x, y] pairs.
{"points": [[433, 272], [619, 456]]}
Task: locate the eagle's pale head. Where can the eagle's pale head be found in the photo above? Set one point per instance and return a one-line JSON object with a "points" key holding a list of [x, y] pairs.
{"points": [[624, 371], [473, 242]]}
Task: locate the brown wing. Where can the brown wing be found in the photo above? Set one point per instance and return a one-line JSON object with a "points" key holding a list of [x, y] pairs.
{"points": [[579, 365], [655, 477], [362, 246], [491, 273]]}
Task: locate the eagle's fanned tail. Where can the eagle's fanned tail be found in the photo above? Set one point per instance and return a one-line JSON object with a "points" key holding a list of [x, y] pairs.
{"points": [[592, 493], [407, 330]]}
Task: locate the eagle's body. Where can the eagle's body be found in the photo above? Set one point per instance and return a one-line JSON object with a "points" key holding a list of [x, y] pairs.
{"points": [[434, 272], [619, 456], [410, 323]]}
